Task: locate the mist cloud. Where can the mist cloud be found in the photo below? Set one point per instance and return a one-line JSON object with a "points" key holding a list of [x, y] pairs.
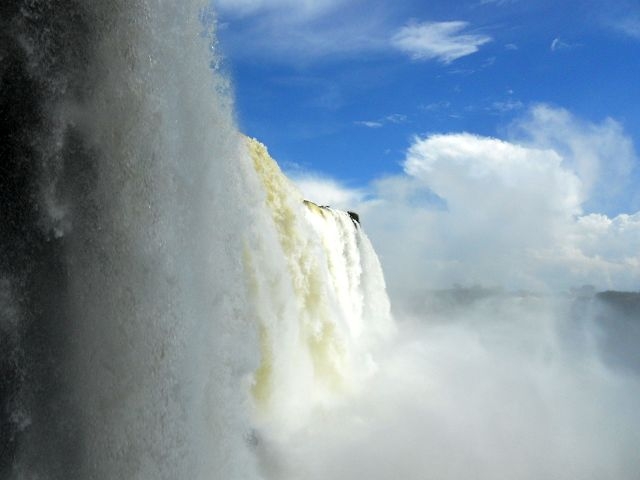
{"points": [[498, 387]]}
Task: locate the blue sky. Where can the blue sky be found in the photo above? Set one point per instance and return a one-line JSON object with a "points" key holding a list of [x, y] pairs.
{"points": [[352, 97]]}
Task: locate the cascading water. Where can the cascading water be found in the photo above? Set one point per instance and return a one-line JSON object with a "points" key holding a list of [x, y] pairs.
{"points": [[320, 302], [126, 200], [161, 302]]}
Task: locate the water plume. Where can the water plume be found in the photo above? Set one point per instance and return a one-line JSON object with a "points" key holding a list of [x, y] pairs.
{"points": [[125, 196], [166, 293]]}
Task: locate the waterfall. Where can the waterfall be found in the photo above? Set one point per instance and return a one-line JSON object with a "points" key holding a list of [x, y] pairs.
{"points": [[319, 301], [165, 292]]}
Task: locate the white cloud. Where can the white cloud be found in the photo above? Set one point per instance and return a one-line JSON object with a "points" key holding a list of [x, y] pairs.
{"points": [[629, 26], [291, 31], [436, 106], [502, 200], [473, 210], [558, 45], [395, 118], [443, 41], [620, 234], [369, 123], [484, 172], [507, 106], [298, 8], [601, 154], [325, 191], [497, 2]]}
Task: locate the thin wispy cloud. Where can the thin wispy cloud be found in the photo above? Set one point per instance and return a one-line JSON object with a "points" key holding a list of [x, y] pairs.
{"points": [[290, 31], [557, 45], [368, 123], [497, 2], [506, 106], [295, 8], [436, 106], [441, 41], [630, 27], [394, 118], [299, 31]]}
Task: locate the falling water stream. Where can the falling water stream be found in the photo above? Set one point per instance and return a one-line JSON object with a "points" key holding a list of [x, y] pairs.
{"points": [[165, 293]]}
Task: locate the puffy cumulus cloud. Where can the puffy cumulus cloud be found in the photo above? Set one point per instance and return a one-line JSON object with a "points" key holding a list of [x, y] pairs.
{"points": [[619, 233], [466, 170], [498, 202], [475, 210], [607, 249], [502, 200], [443, 41]]}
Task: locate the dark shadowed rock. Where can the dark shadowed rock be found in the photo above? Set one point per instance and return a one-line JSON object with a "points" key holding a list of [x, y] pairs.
{"points": [[355, 218]]}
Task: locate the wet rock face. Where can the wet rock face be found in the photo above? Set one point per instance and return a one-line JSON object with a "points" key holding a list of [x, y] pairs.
{"points": [[355, 218]]}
